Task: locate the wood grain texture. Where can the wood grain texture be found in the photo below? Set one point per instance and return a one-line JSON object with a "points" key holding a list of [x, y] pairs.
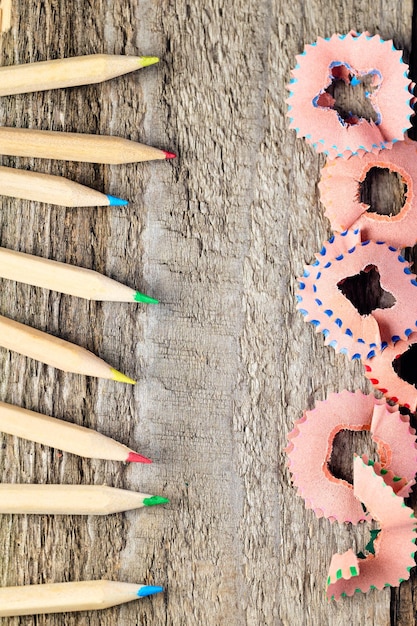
{"points": [[225, 364]]}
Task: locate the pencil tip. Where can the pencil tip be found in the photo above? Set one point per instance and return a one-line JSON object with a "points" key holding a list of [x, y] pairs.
{"points": [[145, 61], [141, 297], [149, 590], [113, 201], [170, 155], [134, 457], [154, 500], [121, 378]]}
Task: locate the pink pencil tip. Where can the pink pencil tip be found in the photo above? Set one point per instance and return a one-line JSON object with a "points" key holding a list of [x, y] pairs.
{"points": [[169, 155], [134, 457]]}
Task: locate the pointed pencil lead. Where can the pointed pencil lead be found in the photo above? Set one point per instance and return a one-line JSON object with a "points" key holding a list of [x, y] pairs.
{"points": [[154, 500], [146, 61], [170, 155], [141, 297], [113, 201], [149, 590], [134, 457], [121, 378]]}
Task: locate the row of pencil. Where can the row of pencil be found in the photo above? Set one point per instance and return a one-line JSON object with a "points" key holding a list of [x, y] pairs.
{"points": [[56, 352]]}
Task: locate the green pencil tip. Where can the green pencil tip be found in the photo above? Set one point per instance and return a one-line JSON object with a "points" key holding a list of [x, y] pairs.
{"points": [[141, 297], [145, 61], [154, 500]]}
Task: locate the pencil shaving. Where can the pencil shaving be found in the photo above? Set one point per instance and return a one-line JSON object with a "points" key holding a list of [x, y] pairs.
{"points": [[391, 557], [340, 186], [352, 59], [401, 486], [387, 372], [323, 300], [311, 444]]}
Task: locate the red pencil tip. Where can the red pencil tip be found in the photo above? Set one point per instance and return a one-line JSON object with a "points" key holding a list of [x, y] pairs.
{"points": [[169, 155], [134, 457]]}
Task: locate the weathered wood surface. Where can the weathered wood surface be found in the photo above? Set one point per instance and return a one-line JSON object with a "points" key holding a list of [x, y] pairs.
{"points": [[225, 364]]}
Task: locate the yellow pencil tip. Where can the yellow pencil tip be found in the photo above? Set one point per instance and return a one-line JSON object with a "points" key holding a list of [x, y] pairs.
{"points": [[121, 378], [145, 61]]}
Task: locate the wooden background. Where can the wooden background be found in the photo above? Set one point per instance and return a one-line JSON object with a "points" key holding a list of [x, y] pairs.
{"points": [[225, 364]]}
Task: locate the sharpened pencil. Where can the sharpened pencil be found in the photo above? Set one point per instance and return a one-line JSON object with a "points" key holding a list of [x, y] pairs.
{"points": [[71, 499], [51, 189], [70, 72], [63, 435], [49, 144], [54, 351], [66, 278], [76, 596]]}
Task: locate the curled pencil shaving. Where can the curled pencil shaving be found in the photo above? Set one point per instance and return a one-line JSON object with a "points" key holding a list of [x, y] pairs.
{"points": [[395, 439], [391, 557], [340, 245], [340, 194], [401, 486], [322, 301], [356, 60], [343, 565], [311, 443], [386, 373], [317, 312]]}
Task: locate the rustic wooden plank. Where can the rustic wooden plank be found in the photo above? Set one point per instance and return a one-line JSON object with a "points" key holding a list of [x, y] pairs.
{"points": [[225, 364]]}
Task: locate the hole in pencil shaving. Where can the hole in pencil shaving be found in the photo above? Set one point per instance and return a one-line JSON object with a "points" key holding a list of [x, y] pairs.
{"points": [[345, 444], [348, 94], [405, 365], [365, 292], [384, 190], [370, 545], [410, 254]]}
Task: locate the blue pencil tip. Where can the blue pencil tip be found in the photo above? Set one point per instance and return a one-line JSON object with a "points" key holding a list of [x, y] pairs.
{"points": [[149, 590], [113, 201]]}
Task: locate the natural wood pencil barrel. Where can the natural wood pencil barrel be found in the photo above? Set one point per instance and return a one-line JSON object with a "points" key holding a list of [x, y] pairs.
{"points": [[62, 277], [62, 597], [50, 189], [5, 15], [69, 499], [82, 70], [54, 351], [62, 435], [47, 144]]}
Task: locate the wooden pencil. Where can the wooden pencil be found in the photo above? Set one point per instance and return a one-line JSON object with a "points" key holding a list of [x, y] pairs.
{"points": [[5, 15], [54, 351], [63, 435], [71, 499], [49, 144], [51, 189], [65, 278], [70, 72], [75, 596]]}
